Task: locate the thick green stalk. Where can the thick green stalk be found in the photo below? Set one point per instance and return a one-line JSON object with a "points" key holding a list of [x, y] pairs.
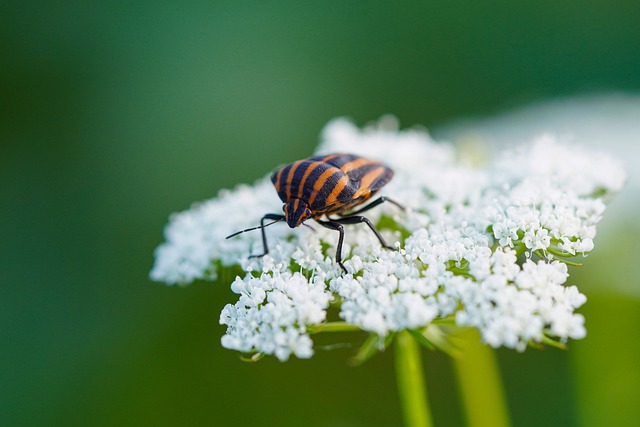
{"points": [[479, 382], [411, 385]]}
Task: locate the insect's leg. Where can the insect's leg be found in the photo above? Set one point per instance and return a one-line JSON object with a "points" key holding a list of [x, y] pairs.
{"points": [[358, 219], [333, 225], [275, 217], [375, 203]]}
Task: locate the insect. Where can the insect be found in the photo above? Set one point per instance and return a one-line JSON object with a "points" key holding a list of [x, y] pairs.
{"points": [[327, 185]]}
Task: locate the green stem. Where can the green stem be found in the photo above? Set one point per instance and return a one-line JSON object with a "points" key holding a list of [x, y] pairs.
{"points": [[551, 343], [332, 327], [520, 248], [411, 386], [479, 382], [563, 256]]}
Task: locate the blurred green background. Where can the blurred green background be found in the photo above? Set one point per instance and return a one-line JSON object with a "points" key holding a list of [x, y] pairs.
{"points": [[115, 114]]}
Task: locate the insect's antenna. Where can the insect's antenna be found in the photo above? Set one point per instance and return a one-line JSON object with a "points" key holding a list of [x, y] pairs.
{"points": [[253, 228]]}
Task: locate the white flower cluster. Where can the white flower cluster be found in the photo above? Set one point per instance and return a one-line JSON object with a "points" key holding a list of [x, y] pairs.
{"points": [[486, 247], [195, 239], [272, 313]]}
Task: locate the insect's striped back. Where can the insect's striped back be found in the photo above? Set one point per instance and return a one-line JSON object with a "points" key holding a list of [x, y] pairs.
{"points": [[331, 183], [370, 174], [366, 176], [298, 179]]}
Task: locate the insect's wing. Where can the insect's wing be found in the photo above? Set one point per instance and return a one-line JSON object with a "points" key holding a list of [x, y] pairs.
{"points": [[363, 178], [368, 175], [364, 174]]}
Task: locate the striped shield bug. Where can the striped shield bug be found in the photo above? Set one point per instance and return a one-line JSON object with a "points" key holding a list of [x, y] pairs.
{"points": [[327, 185]]}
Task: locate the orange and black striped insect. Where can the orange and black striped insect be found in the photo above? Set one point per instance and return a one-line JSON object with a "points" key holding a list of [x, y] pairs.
{"points": [[327, 185]]}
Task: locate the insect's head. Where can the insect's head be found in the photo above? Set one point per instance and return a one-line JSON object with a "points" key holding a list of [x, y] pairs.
{"points": [[296, 211]]}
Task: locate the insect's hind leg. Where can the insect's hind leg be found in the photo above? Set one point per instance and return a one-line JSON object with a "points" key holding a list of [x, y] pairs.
{"points": [[275, 217], [373, 204], [358, 219]]}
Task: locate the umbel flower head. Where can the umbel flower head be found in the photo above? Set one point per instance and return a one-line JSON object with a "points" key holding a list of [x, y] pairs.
{"points": [[479, 246]]}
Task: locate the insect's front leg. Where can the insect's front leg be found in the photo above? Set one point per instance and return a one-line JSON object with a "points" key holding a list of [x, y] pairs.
{"points": [[275, 217], [334, 225], [358, 219]]}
